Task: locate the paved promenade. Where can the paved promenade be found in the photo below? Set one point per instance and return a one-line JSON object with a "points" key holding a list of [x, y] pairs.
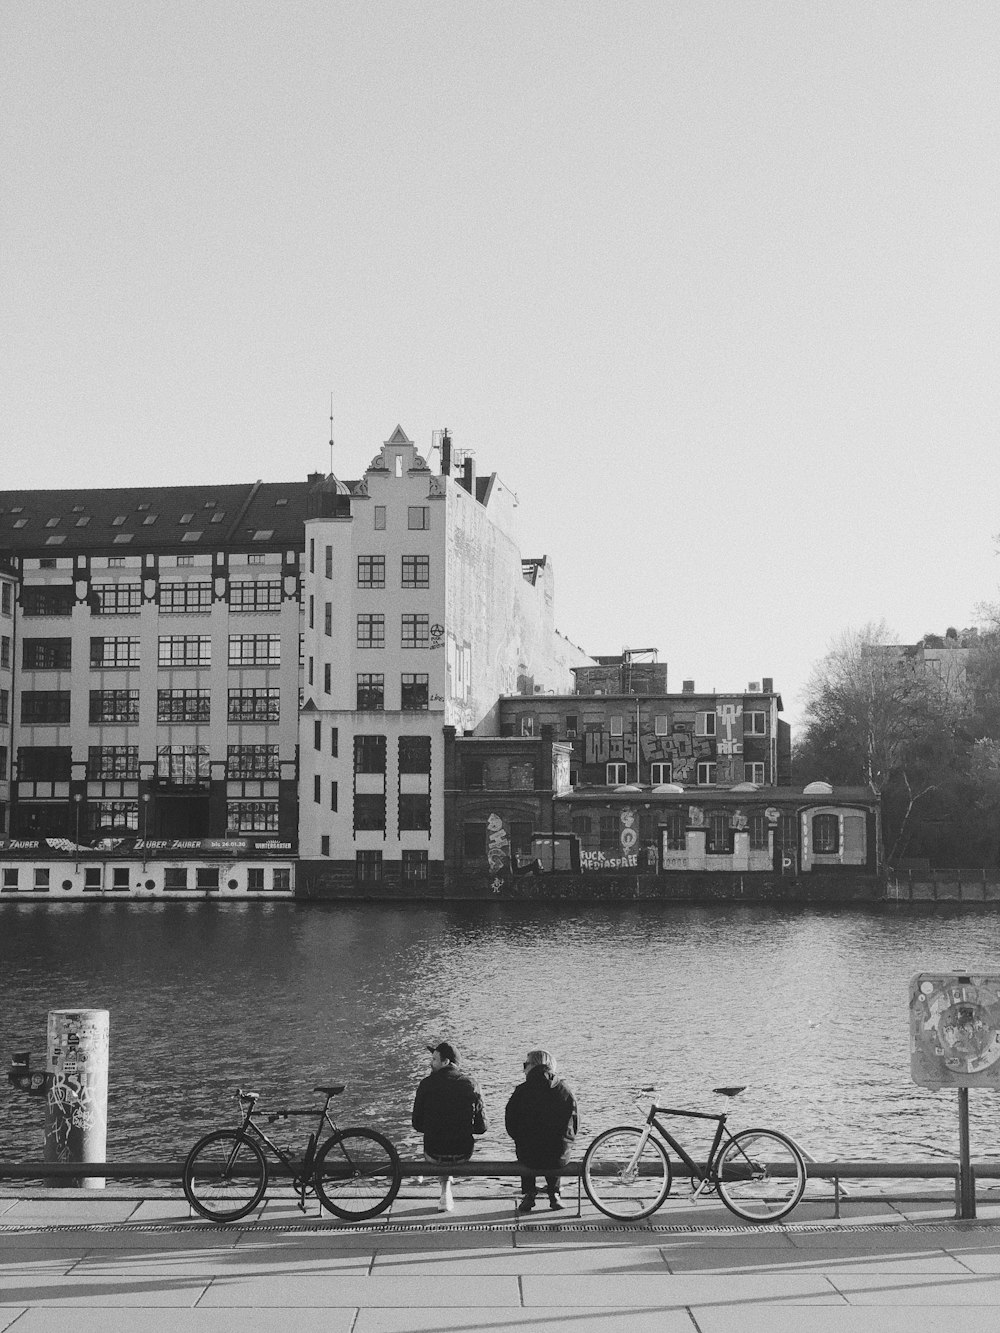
{"points": [[127, 1260]]}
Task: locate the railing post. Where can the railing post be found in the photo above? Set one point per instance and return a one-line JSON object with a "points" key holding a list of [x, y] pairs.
{"points": [[76, 1097], [966, 1175]]}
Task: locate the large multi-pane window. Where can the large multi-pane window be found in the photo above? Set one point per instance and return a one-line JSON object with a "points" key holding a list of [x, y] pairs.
{"points": [[758, 832], [188, 595], [114, 705], [254, 650], [826, 834], [182, 765], [371, 571], [414, 690], [369, 811], [418, 517], [260, 704], [416, 631], [185, 650], [114, 651], [371, 630], [414, 810], [720, 837], [368, 867], [415, 754], [371, 691], [45, 706], [414, 867], [45, 654], [369, 754], [252, 817], [113, 816], [252, 761], [416, 571], [255, 595], [112, 762], [116, 599], [183, 705], [47, 601], [44, 763], [675, 826]]}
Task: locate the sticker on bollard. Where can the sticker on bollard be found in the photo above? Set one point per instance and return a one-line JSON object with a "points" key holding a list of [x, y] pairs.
{"points": [[76, 1101]]}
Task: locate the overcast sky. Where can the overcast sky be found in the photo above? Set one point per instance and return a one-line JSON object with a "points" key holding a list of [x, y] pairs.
{"points": [[712, 286]]}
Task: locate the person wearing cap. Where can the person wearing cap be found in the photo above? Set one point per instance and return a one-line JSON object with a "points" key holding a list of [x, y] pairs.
{"points": [[541, 1118], [448, 1111]]}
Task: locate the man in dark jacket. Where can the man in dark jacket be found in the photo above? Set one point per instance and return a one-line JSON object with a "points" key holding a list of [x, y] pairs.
{"points": [[541, 1119], [448, 1111]]}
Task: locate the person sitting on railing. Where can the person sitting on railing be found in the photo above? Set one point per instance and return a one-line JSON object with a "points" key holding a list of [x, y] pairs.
{"points": [[541, 1118], [448, 1111]]}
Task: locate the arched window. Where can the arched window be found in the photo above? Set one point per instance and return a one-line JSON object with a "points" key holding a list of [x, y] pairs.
{"points": [[826, 834]]}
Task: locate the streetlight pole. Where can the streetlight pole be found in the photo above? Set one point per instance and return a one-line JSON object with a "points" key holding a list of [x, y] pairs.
{"points": [[78, 802]]}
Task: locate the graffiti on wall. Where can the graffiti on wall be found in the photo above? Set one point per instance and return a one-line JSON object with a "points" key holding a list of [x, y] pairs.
{"points": [[77, 1092], [497, 844], [729, 729], [682, 748], [602, 748], [605, 861]]}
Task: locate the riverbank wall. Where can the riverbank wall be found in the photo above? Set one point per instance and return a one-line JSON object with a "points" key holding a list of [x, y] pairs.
{"points": [[958, 886]]}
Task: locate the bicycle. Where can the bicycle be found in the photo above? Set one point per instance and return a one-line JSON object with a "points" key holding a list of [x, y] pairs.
{"points": [[759, 1174], [355, 1173]]}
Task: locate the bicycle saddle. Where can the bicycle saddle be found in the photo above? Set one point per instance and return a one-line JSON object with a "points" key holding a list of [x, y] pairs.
{"points": [[332, 1089], [730, 1092]]}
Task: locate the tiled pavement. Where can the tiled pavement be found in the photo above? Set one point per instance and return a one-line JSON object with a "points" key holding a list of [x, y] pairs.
{"points": [[128, 1261]]}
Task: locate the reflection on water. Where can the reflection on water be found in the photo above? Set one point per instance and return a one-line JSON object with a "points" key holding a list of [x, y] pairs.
{"points": [[808, 1009]]}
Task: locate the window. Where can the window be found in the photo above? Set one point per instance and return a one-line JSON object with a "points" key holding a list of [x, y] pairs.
{"points": [[719, 840], [416, 631], [660, 773], [473, 774], [45, 706], [327, 678], [416, 571], [414, 810], [317, 735], [580, 824], [281, 879], [414, 754], [42, 654], [44, 763], [255, 595], [368, 867], [706, 774], [371, 630], [527, 726], [753, 773], [418, 517], [610, 833], [112, 762], [371, 692], [184, 650], [312, 611], [260, 704], [41, 879], [414, 867], [175, 877], [114, 705], [252, 761], [182, 765], [333, 795], [187, 597], [617, 726], [183, 705], [4, 706], [114, 652], [379, 518], [369, 811], [675, 830], [521, 833], [119, 877], [10, 878], [6, 599], [182, 561], [754, 724], [705, 724], [758, 832], [414, 691], [116, 599], [324, 844], [56, 601], [617, 774], [255, 879], [826, 834], [206, 878], [371, 571], [254, 650], [329, 562], [317, 788], [369, 754], [252, 817], [571, 724], [254, 558], [107, 817], [334, 741], [660, 724], [474, 839]]}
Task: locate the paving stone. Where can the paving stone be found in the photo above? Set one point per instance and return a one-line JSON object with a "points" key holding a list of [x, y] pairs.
{"points": [[601, 1319], [187, 1321], [295, 1292], [548, 1259], [648, 1291], [47, 1289]]}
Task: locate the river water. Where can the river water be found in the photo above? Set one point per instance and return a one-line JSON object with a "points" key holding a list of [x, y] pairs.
{"points": [[808, 1009]]}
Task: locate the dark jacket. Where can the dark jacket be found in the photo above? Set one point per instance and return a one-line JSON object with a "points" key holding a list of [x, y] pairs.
{"points": [[448, 1110], [541, 1119]]}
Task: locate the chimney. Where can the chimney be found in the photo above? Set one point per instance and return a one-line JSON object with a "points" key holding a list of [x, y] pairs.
{"points": [[446, 453], [314, 478], [687, 687], [768, 684], [469, 479]]}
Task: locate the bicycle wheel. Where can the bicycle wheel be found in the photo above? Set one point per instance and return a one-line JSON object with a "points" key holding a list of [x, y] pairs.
{"points": [[225, 1175], [760, 1175], [357, 1174], [622, 1181]]}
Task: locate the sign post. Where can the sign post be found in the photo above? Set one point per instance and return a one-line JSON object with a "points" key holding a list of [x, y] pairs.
{"points": [[76, 1093], [955, 1043]]}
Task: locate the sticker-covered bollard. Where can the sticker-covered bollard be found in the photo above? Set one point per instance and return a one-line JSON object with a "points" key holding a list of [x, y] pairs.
{"points": [[76, 1102]]}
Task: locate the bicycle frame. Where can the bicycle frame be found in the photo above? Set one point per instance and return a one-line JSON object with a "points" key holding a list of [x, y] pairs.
{"points": [[703, 1175], [301, 1172]]}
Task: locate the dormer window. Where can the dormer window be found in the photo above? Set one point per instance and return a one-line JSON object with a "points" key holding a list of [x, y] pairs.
{"points": [[185, 518], [118, 520], [218, 516], [82, 522], [51, 522], [150, 518]]}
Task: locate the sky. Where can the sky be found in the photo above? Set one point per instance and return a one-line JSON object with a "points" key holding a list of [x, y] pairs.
{"points": [[711, 284]]}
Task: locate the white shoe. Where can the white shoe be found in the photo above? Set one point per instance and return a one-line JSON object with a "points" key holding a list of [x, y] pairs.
{"points": [[446, 1203]]}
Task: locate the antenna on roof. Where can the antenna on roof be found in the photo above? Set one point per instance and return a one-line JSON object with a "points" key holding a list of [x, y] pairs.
{"points": [[331, 431]]}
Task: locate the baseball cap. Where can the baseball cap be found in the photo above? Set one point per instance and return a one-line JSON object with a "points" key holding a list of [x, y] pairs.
{"points": [[446, 1051]]}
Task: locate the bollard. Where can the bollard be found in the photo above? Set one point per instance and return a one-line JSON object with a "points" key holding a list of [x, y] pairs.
{"points": [[76, 1101]]}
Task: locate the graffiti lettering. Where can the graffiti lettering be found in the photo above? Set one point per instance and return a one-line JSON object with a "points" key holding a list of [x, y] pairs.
{"points": [[498, 845], [601, 861]]}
